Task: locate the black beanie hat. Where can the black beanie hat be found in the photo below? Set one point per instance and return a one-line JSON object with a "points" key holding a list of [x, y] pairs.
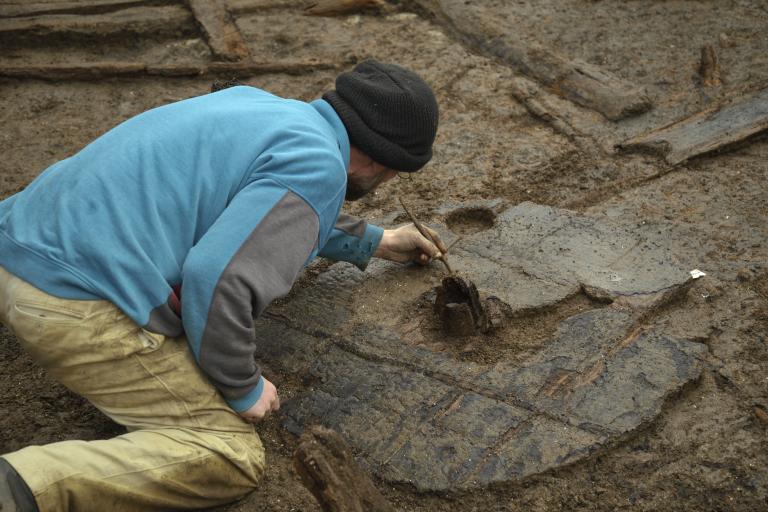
{"points": [[390, 113]]}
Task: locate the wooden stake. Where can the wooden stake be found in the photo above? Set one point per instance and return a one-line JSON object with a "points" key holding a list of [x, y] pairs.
{"points": [[709, 68]]}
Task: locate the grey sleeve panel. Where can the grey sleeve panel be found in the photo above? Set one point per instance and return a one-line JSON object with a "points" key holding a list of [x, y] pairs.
{"points": [[353, 226], [163, 320], [263, 269]]}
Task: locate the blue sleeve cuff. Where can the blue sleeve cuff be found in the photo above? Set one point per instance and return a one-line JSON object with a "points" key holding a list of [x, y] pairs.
{"points": [[247, 401], [358, 251], [370, 243]]}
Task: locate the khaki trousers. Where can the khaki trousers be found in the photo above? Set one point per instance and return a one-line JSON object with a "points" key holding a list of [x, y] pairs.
{"points": [[185, 448]]}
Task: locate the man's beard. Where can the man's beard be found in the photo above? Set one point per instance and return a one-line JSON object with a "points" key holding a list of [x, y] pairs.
{"points": [[355, 191]]}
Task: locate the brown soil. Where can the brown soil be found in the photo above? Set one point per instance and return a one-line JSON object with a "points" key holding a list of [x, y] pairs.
{"points": [[707, 449]]}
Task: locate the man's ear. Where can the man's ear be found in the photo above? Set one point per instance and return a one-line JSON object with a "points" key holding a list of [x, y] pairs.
{"points": [[357, 160]]}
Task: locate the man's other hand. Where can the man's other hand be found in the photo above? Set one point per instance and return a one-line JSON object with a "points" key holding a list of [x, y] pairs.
{"points": [[268, 402], [406, 244]]}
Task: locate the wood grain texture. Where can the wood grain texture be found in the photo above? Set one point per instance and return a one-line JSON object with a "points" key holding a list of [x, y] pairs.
{"points": [[26, 9], [150, 21], [581, 82], [107, 69], [219, 29], [328, 469], [706, 131]]}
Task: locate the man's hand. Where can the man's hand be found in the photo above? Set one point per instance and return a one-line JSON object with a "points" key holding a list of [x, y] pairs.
{"points": [[406, 244], [268, 402]]}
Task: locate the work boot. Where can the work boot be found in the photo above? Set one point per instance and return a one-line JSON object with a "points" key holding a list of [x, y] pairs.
{"points": [[15, 496]]}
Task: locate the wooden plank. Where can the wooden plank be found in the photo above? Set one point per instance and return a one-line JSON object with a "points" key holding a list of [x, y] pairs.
{"points": [[8, 10], [342, 7], [110, 69], [243, 7], [707, 131], [578, 81], [533, 98], [74, 71], [220, 31], [328, 469], [135, 20]]}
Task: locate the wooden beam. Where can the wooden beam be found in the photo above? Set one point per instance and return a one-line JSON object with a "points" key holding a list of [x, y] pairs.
{"points": [[342, 7], [534, 99], [578, 81], [328, 469], [135, 20], [243, 7], [707, 131], [13, 10], [220, 30], [29, 9], [95, 71]]}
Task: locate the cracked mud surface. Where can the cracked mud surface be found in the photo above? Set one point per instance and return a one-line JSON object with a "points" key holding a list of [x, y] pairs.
{"points": [[592, 396]]}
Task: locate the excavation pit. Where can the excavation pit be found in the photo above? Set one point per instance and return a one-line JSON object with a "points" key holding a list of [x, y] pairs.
{"points": [[466, 221]]}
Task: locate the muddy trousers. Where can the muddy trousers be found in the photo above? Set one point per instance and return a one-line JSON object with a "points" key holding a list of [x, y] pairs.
{"points": [[185, 448]]}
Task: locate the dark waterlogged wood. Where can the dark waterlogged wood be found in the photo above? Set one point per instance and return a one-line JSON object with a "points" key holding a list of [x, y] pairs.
{"points": [[220, 30], [17, 9], [706, 131], [458, 305], [328, 469], [134, 20], [93, 71], [245, 7], [530, 95], [339, 7], [578, 81]]}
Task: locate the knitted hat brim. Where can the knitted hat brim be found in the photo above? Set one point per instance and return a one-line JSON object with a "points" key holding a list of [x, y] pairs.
{"points": [[371, 143]]}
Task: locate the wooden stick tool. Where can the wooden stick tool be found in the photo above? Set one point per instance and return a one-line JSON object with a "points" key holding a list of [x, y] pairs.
{"points": [[425, 234]]}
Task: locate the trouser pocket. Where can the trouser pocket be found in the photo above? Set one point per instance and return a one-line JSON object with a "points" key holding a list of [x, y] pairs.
{"points": [[148, 341], [36, 322], [48, 313]]}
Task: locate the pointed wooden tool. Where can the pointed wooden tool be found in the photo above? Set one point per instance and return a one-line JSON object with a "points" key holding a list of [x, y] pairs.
{"points": [[425, 234]]}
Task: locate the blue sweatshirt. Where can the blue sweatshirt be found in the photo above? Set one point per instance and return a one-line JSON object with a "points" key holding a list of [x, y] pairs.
{"points": [[225, 197]]}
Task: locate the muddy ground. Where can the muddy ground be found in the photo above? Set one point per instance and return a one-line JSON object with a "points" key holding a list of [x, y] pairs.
{"points": [[707, 449]]}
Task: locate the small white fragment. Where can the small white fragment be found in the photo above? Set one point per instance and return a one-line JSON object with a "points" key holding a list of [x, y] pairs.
{"points": [[436, 34], [353, 20], [403, 16], [696, 273]]}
